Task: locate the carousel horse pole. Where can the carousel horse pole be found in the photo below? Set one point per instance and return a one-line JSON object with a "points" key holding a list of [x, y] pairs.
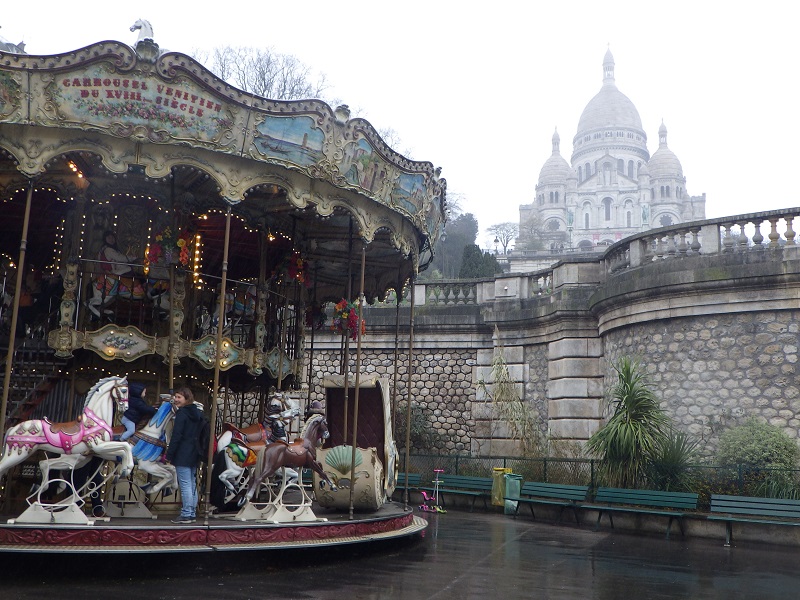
{"points": [[90, 434]]}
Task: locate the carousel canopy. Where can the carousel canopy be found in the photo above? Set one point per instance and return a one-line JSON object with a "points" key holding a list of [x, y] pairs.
{"points": [[137, 141]]}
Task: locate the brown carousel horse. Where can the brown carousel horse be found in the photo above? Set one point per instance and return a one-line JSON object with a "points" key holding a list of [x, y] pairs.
{"points": [[301, 453]]}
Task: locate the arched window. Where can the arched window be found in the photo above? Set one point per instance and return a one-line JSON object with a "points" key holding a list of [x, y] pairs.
{"points": [[628, 219], [580, 173], [551, 197], [630, 169], [556, 196], [665, 220], [662, 191], [667, 191], [607, 208], [588, 168], [620, 166], [586, 220], [606, 174]]}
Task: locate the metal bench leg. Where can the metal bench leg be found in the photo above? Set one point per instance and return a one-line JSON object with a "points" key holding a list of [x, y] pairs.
{"points": [[669, 526], [728, 533], [575, 512]]}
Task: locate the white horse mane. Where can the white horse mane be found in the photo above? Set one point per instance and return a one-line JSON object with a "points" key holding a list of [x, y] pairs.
{"points": [[307, 425], [100, 384]]}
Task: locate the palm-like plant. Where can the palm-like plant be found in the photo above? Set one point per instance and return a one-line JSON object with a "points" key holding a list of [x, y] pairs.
{"points": [[628, 441]]}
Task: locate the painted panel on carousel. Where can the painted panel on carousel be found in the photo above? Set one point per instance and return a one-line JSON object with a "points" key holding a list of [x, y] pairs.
{"points": [[290, 139], [139, 104], [205, 352], [126, 343], [362, 166], [10, 97]]}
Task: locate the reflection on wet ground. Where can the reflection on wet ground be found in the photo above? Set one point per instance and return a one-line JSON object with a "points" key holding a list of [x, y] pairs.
{"points": [[461, 555]]}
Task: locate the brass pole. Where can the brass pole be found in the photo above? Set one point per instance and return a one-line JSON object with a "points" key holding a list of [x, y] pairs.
{"points": [[358, 378], [399, 293], [346, 362], [217, 363], [171, 350], [409, 390], [23, 246]]}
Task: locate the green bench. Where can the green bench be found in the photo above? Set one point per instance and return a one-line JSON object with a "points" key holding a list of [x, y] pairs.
{"points": [[463, 485], [646, 502], [749, 509], [552, 494], [414, 480]]}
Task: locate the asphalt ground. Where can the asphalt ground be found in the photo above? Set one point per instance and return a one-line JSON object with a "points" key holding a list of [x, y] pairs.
{"points": [[460, 555]]}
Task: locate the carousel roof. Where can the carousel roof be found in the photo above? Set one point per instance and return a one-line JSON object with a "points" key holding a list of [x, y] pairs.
{"points": [[108, 126]]}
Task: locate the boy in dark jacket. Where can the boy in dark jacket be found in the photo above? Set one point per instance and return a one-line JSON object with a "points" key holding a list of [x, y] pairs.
{"points": [[138, 409], [183, 451]]}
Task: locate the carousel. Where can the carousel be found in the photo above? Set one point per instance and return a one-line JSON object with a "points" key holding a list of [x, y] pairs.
{"points": [[164, 229]]}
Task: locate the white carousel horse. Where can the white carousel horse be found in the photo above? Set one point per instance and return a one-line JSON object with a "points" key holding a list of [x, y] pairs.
{"points": [[148, 447], [145, 30], [90, 433]]}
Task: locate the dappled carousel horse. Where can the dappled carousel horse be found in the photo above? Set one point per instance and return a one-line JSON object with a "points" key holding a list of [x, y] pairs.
{"points": [[89, 434], [240, 449], [301, 453]]}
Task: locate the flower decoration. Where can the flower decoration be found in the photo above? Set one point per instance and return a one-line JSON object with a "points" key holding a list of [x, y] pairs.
{"points": [[169, 247], [345, 319], [295, 267]]}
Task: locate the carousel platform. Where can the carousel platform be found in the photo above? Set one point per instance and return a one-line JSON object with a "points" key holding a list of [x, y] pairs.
{"points": [[131, 535]]}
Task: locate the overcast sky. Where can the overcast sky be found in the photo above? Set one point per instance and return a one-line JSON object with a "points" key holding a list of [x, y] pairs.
{"points": [[478, 88]]}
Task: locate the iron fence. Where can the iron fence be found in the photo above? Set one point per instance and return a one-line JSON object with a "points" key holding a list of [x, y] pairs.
{"points": [[705, 480]]}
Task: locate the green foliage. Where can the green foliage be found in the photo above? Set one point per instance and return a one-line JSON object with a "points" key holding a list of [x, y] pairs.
{"points": [[670, 466], [629, 441], [458, 234], [757, 444], [475, 263], [523, 422]]}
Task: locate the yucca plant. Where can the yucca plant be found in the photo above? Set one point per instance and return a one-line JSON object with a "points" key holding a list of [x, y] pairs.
{"points": [[670, 469], [627, 443]]}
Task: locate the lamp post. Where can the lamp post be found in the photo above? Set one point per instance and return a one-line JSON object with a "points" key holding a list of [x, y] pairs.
{"points": [[496, 241]]}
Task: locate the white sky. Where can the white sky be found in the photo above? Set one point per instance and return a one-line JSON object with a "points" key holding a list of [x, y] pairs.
{"points": [[478, 88]]}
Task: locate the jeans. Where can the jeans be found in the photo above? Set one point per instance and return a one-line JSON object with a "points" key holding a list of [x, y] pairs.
{"points": [[130, 428], [187, 481]]}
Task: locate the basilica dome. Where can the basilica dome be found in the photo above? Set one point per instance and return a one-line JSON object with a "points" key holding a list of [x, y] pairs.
{"points": [[610, 107], [556, 169], [664, 163]]}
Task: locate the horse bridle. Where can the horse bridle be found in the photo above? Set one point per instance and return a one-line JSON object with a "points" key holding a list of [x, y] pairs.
{"points": [[116, 394]]}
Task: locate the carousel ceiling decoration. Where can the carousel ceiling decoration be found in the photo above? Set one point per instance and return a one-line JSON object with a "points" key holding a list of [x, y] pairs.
{"points": [[172, 111]]}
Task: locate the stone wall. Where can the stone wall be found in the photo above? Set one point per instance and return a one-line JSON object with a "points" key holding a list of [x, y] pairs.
{"points": [[713, 372], [444, 390]]}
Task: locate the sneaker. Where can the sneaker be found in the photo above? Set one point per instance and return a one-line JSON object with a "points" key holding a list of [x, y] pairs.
{"points": [[183, 520]]}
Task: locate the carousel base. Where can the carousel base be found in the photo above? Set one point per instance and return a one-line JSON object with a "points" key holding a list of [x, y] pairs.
{"points": [[392, 520]]}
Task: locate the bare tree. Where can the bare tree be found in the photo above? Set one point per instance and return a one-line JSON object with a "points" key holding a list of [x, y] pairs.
{"points": [[530, 233], [504, 234], [264, 72]]}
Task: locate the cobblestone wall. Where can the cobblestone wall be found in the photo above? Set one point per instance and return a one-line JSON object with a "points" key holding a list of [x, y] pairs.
{"points": [[712, 373], [445, 393], [536, 386]]}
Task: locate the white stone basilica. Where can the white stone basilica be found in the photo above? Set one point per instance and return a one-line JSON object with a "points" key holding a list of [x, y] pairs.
{"points": [[613, 189]]}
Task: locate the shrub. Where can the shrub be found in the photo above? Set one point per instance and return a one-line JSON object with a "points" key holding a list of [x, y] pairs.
{"points": [[757, 444]]}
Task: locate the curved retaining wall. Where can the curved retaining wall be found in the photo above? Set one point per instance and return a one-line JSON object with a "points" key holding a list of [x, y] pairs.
{"points": [[712, 310]]}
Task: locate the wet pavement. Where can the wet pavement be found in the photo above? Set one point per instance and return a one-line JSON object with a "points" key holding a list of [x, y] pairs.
{"points": [[461, 556]]}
